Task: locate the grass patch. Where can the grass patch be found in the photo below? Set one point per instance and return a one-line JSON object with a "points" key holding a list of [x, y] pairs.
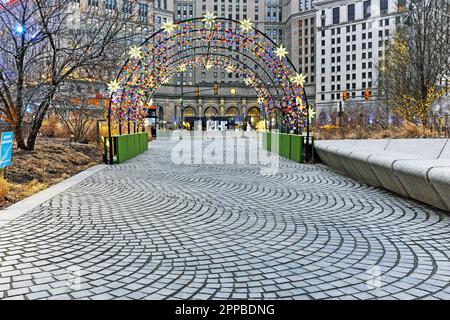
{"points": [[52, 161]]}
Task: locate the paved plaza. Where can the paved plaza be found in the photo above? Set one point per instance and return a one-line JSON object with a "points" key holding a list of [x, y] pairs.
{"points": [[154, 229]]}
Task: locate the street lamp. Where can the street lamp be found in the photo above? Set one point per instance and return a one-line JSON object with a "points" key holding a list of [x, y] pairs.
{"points": [[20, 29]]}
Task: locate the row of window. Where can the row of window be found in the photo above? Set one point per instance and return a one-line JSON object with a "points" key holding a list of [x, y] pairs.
{"points": [[337, 78], [127, 7], [349, 67], [364, 36], [352, 28], [337, 96], [367, 11], [237, 8]]}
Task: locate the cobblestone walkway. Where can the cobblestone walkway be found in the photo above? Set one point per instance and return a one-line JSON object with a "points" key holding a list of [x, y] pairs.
{"points": [[151, 229]]}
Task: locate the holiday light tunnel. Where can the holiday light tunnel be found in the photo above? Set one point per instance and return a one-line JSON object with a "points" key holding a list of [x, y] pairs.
{"points": [[234, 46]]}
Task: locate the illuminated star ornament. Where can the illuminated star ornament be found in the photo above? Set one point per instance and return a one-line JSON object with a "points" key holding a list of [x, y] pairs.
{"points": [[248, 81], [182, 68], [151, 102], [208, 19], [312, 113], [299, 79], [261, 100], [246, 25], [169, 27], [281, 52], [113, 86], [135, 52], [230, 69], [208, 65]]}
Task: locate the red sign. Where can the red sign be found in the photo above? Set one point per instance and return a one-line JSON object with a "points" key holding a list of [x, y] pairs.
{"points": [[6, 2]]}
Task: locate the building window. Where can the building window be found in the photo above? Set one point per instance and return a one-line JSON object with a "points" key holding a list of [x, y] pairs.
{"points": [[336, 17], [143, 13], [383, 6], [366, 9], [351, 12]]}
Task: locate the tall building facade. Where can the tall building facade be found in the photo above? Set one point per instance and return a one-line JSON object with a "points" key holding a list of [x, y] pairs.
{"points": [[163, 12], [138, 23], [337, 44], [351, 37], [234, 100], [300, 39]]}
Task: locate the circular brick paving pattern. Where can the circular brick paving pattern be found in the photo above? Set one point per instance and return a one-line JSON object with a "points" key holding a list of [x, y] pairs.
{"points": [[152, 229]]}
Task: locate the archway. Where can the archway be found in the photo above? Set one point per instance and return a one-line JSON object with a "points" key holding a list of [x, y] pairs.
{"points": [[161, 115], [211, 112], [235, 46], [189, 112], [232, 112], [253, 116]]}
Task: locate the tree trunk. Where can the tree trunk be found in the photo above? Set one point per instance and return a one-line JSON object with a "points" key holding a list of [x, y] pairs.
{"points": [[37, 121], [37, 124], [18, 135]]}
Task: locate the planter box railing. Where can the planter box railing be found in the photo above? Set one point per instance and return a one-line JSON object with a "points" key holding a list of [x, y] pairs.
{"points": [[128, 146], [288, 146]]}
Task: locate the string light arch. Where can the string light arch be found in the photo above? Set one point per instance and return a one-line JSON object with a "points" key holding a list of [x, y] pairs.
{"points": [[234, 46]]}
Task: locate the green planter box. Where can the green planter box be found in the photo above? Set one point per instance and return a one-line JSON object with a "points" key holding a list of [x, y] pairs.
{"points": [[264, 140], [269, 141], [275, 142], [129, 146], [297, 143], [285, 145]]}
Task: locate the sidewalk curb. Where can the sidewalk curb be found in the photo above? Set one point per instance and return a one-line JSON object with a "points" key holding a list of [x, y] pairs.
{"points": [[18, 209]]}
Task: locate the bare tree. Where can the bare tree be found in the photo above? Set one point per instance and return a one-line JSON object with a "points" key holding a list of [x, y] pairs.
{"points": [[414, 72], [44, 44], [77, 114]]}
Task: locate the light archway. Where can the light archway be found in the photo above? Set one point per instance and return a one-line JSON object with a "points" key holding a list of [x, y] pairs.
{"points": [[235, 46]]}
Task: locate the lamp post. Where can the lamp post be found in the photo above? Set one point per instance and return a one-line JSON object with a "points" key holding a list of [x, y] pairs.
{"points": [[308, 126]]}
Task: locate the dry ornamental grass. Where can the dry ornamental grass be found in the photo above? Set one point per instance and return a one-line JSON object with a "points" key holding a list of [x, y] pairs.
{"points": [[405, 131], [52, 161]]}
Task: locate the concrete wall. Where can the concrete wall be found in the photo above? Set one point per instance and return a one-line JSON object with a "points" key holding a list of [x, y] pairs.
{"points": [[414, 168]]}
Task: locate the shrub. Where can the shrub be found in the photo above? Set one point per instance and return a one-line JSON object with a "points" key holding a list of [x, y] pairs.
{"points": [[4, 188]]}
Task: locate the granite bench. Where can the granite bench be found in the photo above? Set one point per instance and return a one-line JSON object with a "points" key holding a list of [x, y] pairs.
{"points": [[414, 168]]}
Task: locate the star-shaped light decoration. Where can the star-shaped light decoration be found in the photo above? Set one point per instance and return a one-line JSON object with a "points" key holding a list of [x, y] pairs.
{"points": [[299, 79], [230, 68], [182, 68], [166, 81], [312, 114], [261, 100], [281, 52], [208, 19], [135, 52], [169, 27], [248, 81], [151, 102], [209, 65], [246, 25], [113, 86]]}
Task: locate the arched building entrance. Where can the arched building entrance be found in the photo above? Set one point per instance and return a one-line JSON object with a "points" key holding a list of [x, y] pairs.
{"points": [[253, 116], [211, 112]]}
